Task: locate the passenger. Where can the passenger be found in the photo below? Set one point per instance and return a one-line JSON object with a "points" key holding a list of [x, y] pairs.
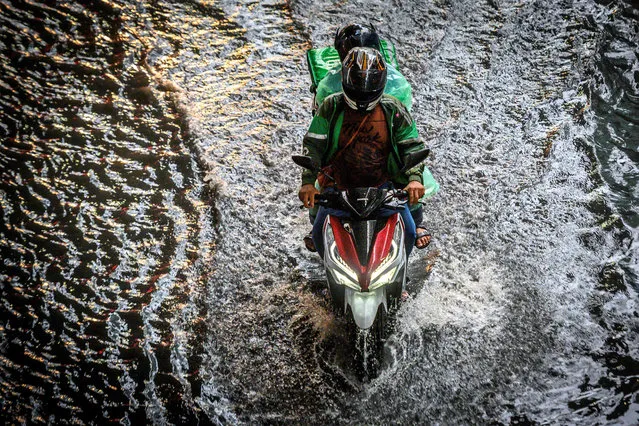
{"points": [[355, 35]]}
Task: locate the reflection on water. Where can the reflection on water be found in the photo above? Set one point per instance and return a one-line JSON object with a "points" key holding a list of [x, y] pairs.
{"points": [[105, 229], [127, 296]]}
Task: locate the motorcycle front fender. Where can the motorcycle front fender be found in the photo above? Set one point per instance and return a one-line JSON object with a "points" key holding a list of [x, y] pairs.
{"points": [[364, 305]]}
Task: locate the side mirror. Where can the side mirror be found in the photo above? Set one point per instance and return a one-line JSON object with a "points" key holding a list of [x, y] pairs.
{"points": [[414, 158], [306, 162]]}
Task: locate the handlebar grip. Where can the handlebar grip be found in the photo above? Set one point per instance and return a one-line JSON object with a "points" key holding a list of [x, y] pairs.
{"points": [[320, 200]]}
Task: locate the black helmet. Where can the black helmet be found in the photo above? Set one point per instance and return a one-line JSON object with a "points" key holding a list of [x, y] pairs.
{"points": [[363, 78], [355, 35]]}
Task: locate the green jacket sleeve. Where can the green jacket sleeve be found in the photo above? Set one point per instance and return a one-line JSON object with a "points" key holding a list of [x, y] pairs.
{"points": [[407, 140], [314, 143]]}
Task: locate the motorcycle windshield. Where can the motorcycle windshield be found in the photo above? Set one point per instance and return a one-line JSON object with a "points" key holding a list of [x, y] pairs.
{"points": [[364, 201]]}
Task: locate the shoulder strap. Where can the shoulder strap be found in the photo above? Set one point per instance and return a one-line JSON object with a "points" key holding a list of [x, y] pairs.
{"points": [[350, 141]]}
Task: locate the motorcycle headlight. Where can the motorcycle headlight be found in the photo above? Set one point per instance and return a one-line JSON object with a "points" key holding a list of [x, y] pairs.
{"points": [[342, 273]]}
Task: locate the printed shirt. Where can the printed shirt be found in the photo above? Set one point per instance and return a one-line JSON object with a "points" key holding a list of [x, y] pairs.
{"points": [[363, 163]]}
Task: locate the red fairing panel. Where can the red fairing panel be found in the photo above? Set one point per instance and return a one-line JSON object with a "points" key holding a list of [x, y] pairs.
{"points": [[381, 248], [346, 246], [382, 245]]}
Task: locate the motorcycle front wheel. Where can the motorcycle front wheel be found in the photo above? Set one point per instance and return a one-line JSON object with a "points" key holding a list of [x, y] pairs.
{"points": [[369, 345]]}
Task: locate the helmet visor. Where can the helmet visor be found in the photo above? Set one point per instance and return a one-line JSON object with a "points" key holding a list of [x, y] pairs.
{"points": [[364, 75]]}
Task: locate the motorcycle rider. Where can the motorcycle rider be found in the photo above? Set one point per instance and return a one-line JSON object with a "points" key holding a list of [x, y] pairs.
{"points": [[359, 138]]}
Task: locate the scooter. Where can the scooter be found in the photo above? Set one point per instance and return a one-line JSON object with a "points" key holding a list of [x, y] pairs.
{"points": [[364, 255]]}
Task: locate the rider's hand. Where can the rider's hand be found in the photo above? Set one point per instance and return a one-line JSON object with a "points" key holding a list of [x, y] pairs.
{"points": [[415, 191], [307, 195]]}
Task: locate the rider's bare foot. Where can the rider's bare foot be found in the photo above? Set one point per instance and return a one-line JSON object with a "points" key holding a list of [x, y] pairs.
{"points": [[423, 238]]}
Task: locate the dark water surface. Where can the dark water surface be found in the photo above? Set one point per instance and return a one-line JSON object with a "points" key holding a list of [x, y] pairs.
{"points": [[152, 268]]}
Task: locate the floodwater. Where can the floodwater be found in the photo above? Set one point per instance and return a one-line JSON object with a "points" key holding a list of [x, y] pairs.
{"points": [[152, 266]]}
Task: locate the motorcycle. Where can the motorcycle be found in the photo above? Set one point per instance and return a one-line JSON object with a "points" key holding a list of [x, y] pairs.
{"points": [[365, 258]]}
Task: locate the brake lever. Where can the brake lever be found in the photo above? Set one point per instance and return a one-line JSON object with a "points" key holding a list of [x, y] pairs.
{"points": [[396, 199], [396, 194]]}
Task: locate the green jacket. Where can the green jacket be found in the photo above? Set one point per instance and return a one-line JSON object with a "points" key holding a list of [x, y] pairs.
{"points": [[321, 139]]}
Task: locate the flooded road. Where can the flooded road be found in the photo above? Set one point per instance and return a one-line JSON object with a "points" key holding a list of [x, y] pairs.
{"points": [[152, 265]]}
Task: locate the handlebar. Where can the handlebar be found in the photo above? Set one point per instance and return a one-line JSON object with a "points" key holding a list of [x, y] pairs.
{"points": [[401, 194], [324, 199], [328, 198]]}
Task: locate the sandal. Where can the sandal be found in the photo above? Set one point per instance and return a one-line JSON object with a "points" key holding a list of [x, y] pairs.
{"points": [[308, 242], [422, 234]]}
